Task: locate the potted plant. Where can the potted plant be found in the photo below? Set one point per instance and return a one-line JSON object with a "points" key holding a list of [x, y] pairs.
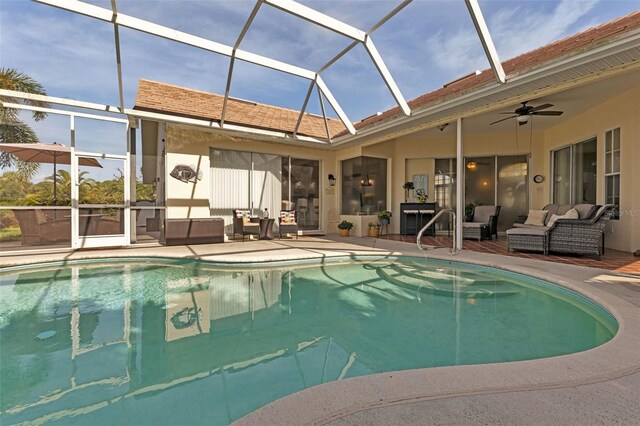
{"points": [[422, 196], [408, 186], [344, 227], [385, 216], [374, 229]]}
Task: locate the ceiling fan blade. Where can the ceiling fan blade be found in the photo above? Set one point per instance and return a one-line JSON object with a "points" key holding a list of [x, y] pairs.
{"points": [[539, 107], [502, 120], [506, 113], [547, 113]]}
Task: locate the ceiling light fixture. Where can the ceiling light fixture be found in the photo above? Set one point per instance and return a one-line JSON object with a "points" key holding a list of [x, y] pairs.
{"points": [[523, 118]]}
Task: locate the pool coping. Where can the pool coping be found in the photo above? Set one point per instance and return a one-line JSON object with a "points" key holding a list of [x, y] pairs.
{"points": [[325, 403]]}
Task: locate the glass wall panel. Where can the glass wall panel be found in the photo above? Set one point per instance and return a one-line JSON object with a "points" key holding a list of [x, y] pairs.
{"points": [[364, 185], [147, 167], [512, 189], [480, 180], [585, 163], [562, 176], [305, 192], [147, 225], [286, 185], [35, 206], [100, 136], [445, 189]]}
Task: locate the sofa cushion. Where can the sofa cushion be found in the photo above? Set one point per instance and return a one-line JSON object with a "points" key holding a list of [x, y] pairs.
{"points": [[563, 209], [538, 230], [551, 208], [571, 214], [536, 217], [585, 211]]}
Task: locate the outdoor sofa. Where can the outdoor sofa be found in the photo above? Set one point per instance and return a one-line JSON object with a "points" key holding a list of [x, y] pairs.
{"points": [[583, 235]]}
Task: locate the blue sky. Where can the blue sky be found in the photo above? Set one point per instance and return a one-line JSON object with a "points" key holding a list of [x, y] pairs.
{"points": [[426, 45]]}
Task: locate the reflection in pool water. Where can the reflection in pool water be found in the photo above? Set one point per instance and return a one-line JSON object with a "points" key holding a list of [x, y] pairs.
{"points": [[159, 342]]}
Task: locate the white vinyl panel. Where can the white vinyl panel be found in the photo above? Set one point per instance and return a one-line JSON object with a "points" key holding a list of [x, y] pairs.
{"points": [[266, 187], [230, 174]]}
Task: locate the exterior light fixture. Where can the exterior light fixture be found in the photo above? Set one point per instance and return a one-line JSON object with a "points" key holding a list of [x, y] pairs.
{"points": [[472, 165], [332, 180], [442, 126]]}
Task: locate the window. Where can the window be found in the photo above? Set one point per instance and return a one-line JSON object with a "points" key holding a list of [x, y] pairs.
{"points": [[612, 169], [574, 173], [364, 185]]}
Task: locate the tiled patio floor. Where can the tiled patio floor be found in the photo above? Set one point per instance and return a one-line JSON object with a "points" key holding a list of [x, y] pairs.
{"points": [[613, 259]]}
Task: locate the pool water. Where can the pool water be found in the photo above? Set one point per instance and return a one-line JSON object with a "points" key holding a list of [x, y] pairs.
{"points": [[172, 342]]}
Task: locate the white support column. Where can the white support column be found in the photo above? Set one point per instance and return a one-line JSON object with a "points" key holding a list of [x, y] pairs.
{"points": [[386, 75], [459, 184], [485, 39], [324, 115], [116, 32], [318, 18], [141, 25], [302, 110], [246, 27], [334, 104]]}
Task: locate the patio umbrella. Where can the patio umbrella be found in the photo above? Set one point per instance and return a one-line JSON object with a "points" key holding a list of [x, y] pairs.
{"points": [[46, 153]]}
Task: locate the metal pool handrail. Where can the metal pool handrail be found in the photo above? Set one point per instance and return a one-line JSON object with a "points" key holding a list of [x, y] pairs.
{"points": [[432, 221]]}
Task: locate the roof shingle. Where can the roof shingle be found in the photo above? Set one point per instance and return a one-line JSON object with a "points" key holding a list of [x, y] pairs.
{"points": [[166, 98]]}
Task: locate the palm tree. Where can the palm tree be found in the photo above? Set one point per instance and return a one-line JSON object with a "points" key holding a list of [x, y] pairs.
{"points": [[12, 129]]}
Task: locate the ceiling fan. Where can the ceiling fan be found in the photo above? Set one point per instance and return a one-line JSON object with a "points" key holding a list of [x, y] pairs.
{"points": [[523, 113]]}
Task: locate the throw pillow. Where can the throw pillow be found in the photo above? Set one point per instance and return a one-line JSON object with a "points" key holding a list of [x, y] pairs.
{"points": [[536, 217], [571, 214]]}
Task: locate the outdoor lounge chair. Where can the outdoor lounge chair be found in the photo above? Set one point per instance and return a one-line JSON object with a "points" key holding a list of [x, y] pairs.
{"points": [[242, 224], [39, 226], [580, 236], [482, 223], [287, 222]]}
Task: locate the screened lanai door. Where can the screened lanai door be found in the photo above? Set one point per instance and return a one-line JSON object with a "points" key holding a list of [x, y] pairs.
{"points": [[100, 194]]}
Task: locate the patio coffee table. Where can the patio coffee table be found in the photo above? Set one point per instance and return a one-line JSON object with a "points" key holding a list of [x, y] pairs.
{"points": [[266, 228]]}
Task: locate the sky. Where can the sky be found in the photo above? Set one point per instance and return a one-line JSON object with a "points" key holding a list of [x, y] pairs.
{"points": [[429, 43]]}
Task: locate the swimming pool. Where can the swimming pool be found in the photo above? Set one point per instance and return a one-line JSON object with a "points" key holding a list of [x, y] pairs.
{"points": [[165, 342]]}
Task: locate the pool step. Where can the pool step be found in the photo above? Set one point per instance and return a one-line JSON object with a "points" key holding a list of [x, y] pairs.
{"points": [[440, 287], [461, 277]]}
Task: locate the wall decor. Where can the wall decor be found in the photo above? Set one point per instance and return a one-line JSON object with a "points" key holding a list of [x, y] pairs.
{"points": [[185, 173]]}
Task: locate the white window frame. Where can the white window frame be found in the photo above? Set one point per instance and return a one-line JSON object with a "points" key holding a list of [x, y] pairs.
{"points": [[612, 173]]}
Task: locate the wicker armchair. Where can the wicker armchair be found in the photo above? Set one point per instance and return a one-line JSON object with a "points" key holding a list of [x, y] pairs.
{"points": [[483, 223], [242, 224], [580, 236], [288, 223], [38, 226]]}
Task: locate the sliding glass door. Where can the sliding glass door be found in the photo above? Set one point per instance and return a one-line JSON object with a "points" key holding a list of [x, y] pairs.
{"points": [[498, 180], [245, 181], [574, 173], [301, 191], [257, 181]]}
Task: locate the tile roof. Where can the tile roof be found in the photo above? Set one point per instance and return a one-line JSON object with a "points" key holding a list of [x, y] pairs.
{"points": [[580, 41], [166, 98]]}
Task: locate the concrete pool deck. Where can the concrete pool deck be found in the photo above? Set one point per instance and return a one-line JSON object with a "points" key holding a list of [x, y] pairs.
{"points": [[598, 386]]}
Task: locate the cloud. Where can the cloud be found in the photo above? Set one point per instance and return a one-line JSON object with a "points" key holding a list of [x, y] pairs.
{"points": [[514, 30]]}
